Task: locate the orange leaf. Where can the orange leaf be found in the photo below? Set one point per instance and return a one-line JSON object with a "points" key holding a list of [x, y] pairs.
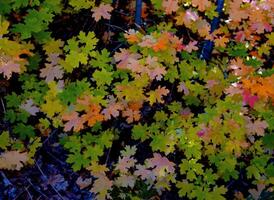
{"points": [[93, 115], [221, 41], [162, 43]]}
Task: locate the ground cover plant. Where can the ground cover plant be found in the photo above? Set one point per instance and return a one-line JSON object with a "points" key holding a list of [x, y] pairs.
{"points": [[153, 99]]}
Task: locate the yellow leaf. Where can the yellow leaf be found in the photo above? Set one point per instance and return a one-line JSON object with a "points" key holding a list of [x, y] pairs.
{"points": [[4, 28]]}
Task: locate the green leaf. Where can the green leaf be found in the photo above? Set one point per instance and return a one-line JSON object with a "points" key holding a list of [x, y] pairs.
{"points": [[102, 60], [102, 77], [268, 141], [4, 140], [140, 132], [217, 193], [185, 188], [73, 91], [93, 152], [13, 100], [34, 22], [24, 131], [82, 4], [78, 161]]}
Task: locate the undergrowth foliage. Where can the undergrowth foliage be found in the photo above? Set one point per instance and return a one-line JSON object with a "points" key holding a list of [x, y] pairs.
{"points": [[116, 88]]}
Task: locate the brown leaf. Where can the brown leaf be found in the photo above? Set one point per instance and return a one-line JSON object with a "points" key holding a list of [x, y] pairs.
{"points": [[13, 160]]}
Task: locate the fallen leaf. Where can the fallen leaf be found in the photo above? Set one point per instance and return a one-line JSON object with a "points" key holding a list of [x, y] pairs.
{"points": [[13, 160]]}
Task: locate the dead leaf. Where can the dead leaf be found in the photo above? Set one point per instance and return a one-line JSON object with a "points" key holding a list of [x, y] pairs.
{"points": [[13, 160]]}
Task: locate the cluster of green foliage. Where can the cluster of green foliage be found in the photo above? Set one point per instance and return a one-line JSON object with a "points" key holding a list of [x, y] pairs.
{"points": [[210, 122]]}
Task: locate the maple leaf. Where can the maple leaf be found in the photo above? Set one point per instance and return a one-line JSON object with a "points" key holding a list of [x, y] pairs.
{"points": [[162, 43], [93, 115], [13, 160], [182, 88], [102, 11], [97, 169], [258, 127], [57, 181], [236, 13], [239, 68], [191, 46], [170, 6], [9, 67], [30, 107], [211, 83], [202, 27], [147, 41], [102, 77], [131, 36], [74, 121], [233, 89], [157, 73], [125, 181], [4, 25], [144, 173], [132, 112], [201, 4], [159, 164], [156, 96], [257, 193], [135, 65], [50, 72], [129, 151], [83, 183], [125, 163], [221, 41], [131, 115], [122, 58], [186, 18], [112, 109], [249, 99], [101, 186], [4, 140]]}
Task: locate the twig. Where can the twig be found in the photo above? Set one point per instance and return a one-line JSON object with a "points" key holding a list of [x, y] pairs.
{"points": [[117, 47], [30, 197], [3, 105], [108, 155], [117, 27], [5, 179], [43, 174], [20, 193], [36, 189]]}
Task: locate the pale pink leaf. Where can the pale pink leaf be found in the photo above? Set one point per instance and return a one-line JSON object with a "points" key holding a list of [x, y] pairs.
{"points": [[9, 67], [51, 72], [30, 107], [102, 11]]}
